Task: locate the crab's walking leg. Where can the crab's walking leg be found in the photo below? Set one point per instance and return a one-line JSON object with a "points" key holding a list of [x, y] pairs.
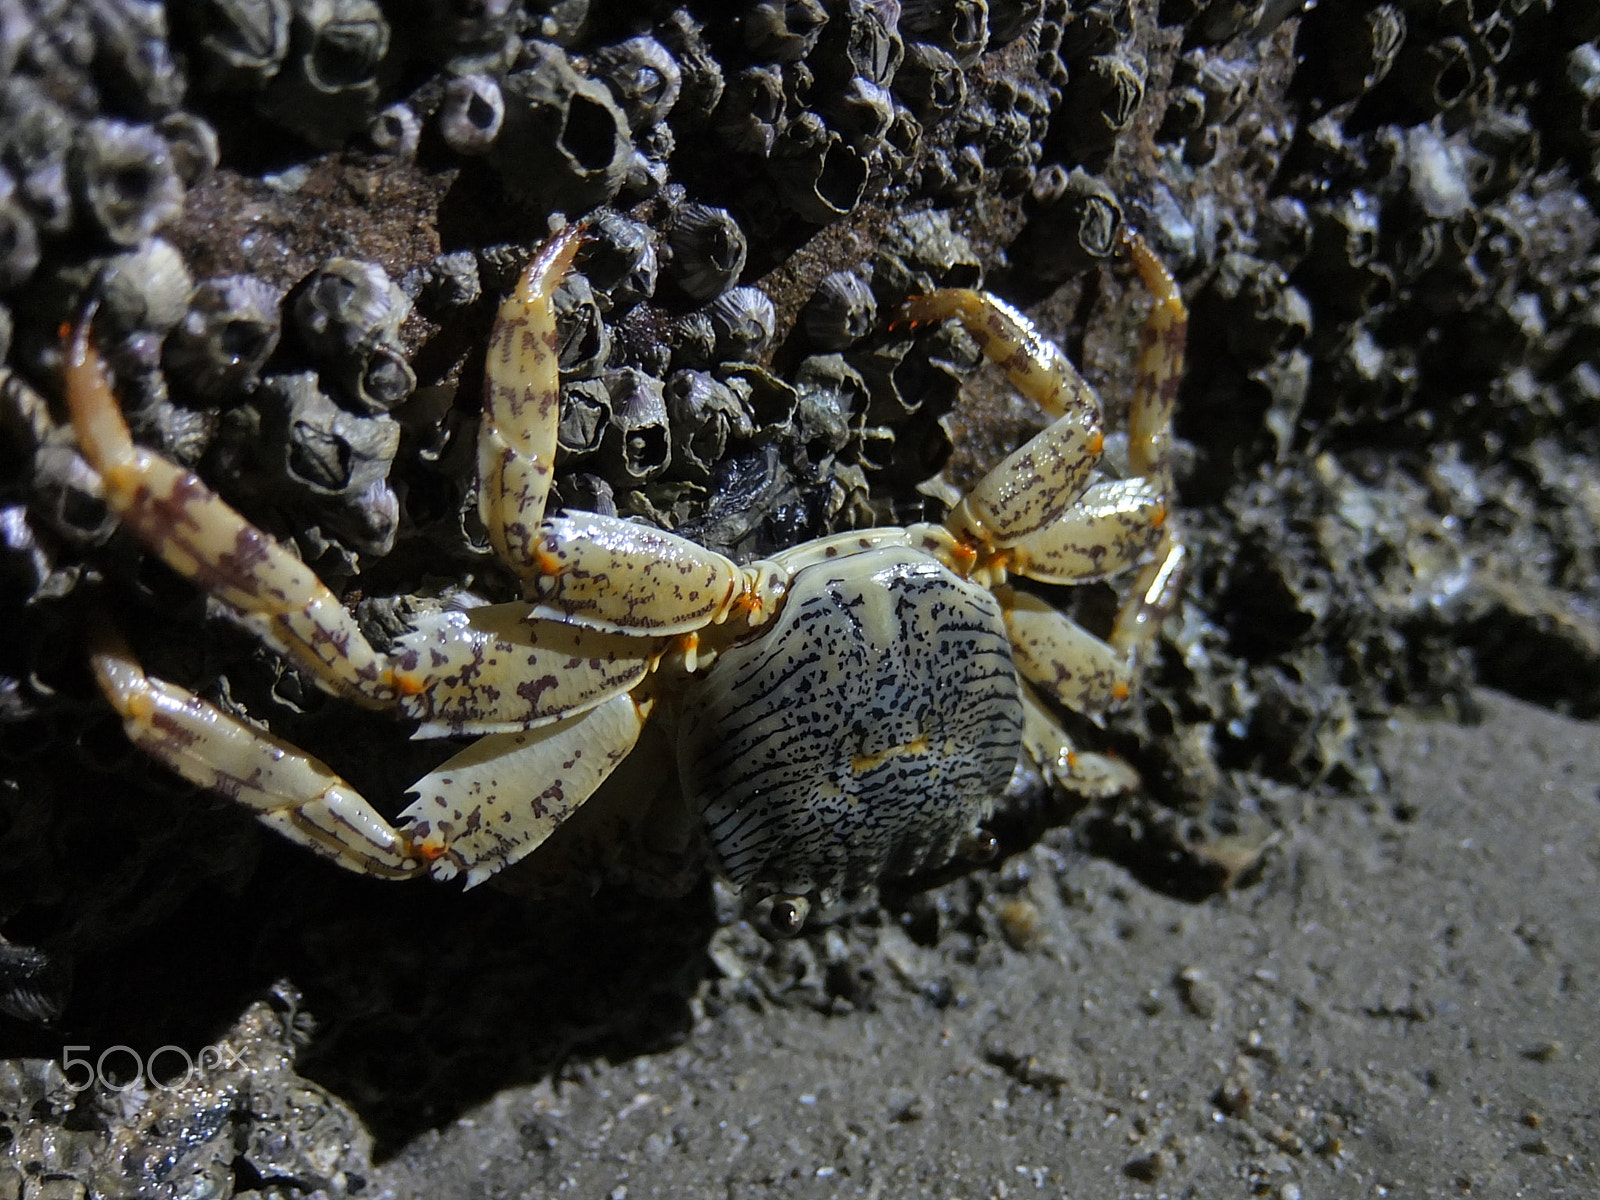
{"points": [[286, 788], [1092, 531], [1078, 771], [1161, 345], [1035, 484], [623, 577], [202, 538], [1080, 670], [522, 407], [501, 797], [1160, 370]]}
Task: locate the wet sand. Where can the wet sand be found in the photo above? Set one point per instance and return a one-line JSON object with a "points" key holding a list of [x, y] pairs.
{"points": [[1405, 1004]]}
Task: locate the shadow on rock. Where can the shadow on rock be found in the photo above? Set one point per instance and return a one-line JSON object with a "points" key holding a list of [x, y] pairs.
{"points": [[424, 1000]]}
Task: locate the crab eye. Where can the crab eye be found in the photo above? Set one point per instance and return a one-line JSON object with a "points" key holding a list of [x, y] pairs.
{"points": [[788, 915]]}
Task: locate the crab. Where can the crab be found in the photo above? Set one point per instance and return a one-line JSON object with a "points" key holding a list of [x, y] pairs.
{"points": [[846, 711]]}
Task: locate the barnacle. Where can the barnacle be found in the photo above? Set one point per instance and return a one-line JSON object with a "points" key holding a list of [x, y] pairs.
{"points": [[707, 248], [230, 330], [931, 82], [921, 252], [126, 179], [1436, 76], [637, 442], [195, 152], [751, 112], [135, 63], [832, 395], [145, 288], [702, 76], [19, 246], [1074, 220], [704, 414], [1510, 147], [841, 311], [336, 461], [564, 142], [585, 413], [692, 340], [349, 313], [1010, 19], [620, 260], [327, 87], [1094, 28], [861, 38], [960, 27], [783, 30], [241, 44], [585, 340], [1346, 54], [819, 179], [395, 132], [744, 321], [471, 113], [861, 113], [644, 77], [1102, 96]]}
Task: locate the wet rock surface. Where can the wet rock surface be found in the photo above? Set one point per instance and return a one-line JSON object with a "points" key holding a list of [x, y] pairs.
{"points": [[296, 220]]}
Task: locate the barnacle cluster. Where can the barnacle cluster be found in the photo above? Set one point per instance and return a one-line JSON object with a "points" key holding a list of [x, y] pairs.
{"points": [[1388, 351], [295, 216]]}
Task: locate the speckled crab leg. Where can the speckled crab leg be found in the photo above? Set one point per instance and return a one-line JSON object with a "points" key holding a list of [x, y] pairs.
{"points": [[499, 799], [201, 537], [287, 789], [1086, 774], [1160, 373], [622, 577], [1160, 369], [1080, 670], [1094, 531], [1037, 483], [1124, 523], [487, 671], [522, 407], [610, 575]]}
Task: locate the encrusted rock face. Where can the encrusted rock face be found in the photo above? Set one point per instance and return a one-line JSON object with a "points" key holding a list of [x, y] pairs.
{"points": [[294, 219]]}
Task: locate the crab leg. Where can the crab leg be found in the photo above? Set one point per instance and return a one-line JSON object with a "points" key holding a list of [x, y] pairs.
{"points": [[1116, 524], [1155, 593], [201, 537], [1160, 370], [501, 797], [286, 788], [1036, 483], [493, 670], [1078, 669], [522, 408], [624, 577], [1086, 774], [1155, 394]]}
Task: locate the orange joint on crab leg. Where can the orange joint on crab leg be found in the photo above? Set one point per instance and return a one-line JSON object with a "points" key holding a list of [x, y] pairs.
{"points": [[403, 684], [760, 593], [546, 560], [689, 647], [965, 554], [429, 849], [992, 566]]}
